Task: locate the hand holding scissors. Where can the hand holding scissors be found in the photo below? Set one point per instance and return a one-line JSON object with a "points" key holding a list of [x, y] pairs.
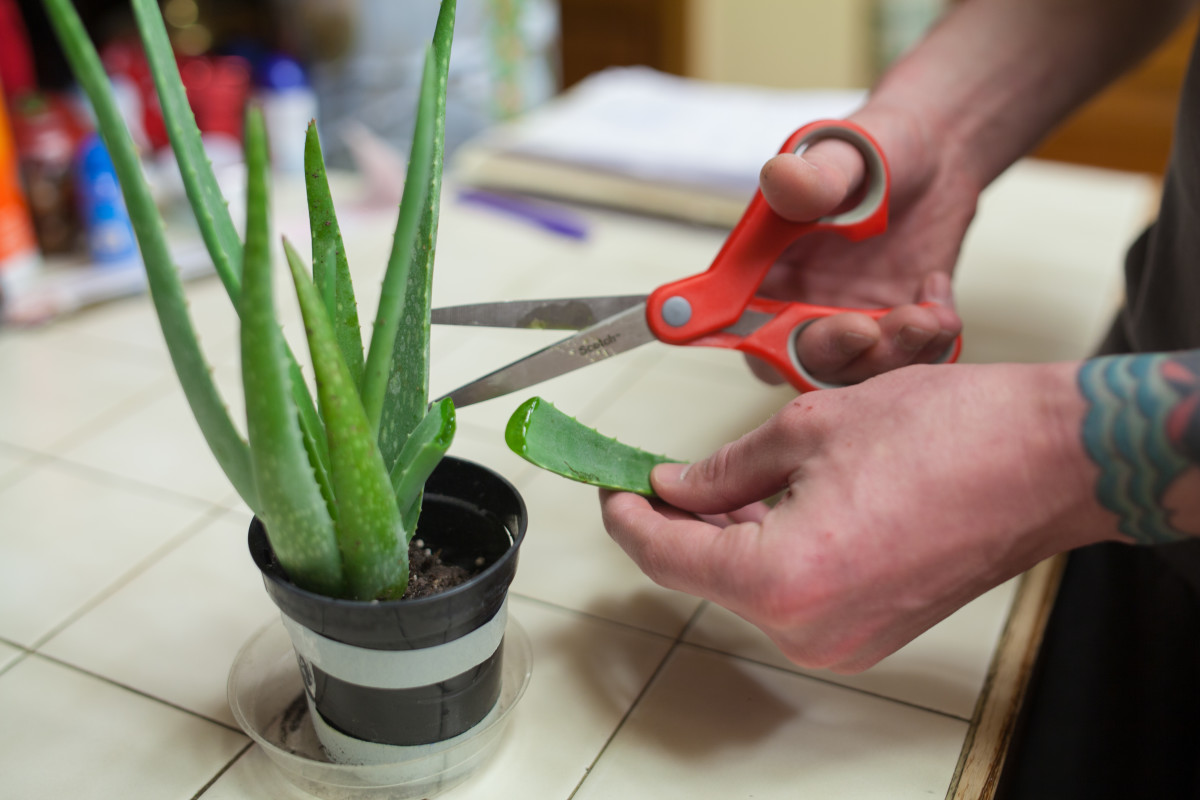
{"points": [[716, 308]]}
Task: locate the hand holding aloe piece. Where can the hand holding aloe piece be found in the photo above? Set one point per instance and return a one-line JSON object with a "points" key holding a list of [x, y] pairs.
{"points": [[554, 441], [339, 489]]}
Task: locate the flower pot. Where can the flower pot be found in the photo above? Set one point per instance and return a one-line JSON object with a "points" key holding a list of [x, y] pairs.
{"points": [[268, 701], [385, 681]]}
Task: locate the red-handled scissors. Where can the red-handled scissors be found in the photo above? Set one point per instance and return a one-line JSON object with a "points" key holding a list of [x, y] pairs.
{"points": [[716, 308]]}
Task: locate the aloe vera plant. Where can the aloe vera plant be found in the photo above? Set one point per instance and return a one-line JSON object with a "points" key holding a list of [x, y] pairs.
{"points": [[337, 482], [558, 443]]}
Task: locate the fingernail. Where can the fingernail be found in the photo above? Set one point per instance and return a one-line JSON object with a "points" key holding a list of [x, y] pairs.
{"points": [[912, 338], [851, 343], [671, 472], [937, 288]]}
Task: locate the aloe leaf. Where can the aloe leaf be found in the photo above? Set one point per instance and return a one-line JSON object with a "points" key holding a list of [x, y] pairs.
{"points": [[546, 437], [374, 552], [409, 369], [406, 388], [293, 507], [324, 269], [204, 194], [421, 453], [332, 276], [323, 280], [166, 288], [208, 204]]}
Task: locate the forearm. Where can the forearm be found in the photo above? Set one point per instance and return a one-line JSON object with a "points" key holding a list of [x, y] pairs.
{"points": [[994, 76], [1142, 432]]}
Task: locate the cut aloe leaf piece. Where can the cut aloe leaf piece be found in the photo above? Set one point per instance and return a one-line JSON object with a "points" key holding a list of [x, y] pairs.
{"points": [[546, 437]]}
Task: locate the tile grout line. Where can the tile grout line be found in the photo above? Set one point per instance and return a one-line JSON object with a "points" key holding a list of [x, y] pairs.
{"points": [[31, 461], [828, 682], [237, 757], [591, 616], [743, 658], [140, 486], [679, 642], [139, 399], [12, 643], [22, 654], [138, 569], [139, 692], [637, 700]]}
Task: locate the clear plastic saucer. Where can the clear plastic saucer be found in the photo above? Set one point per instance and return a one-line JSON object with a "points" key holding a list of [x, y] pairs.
{"points": [[267, 698]]}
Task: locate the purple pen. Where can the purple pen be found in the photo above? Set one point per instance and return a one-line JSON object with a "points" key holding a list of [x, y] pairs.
{"points": [[553, 218]]}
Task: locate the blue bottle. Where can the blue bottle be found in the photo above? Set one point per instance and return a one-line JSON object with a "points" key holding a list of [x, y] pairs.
{"points": [[102, 209]]}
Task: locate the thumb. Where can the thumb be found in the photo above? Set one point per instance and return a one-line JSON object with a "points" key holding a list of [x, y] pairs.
{"points": [[805, 187], [753, 468]]}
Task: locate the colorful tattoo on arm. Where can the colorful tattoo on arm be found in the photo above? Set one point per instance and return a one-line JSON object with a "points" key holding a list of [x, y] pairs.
{"points": [[1142, 430]]}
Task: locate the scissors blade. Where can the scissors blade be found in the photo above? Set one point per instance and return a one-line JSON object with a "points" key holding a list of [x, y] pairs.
{"points": [[609, 337], [559, 314]]}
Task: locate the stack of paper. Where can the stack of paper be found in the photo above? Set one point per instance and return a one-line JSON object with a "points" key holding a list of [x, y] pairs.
{"points": [[646, 141]]}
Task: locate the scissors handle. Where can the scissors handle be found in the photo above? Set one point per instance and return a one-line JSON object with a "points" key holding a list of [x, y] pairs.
{"points": [[775, 341], [682, 311]]}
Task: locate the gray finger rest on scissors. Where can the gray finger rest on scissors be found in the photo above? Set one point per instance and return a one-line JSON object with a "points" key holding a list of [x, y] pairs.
{"points": [[876, 183]]}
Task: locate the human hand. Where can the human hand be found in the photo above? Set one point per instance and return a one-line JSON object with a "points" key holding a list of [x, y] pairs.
{"points": [[932, 202], [904, 497]]}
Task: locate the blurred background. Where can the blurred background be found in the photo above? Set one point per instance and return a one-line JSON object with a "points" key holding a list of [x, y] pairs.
{"points": [[354, 65], [811, 43]]}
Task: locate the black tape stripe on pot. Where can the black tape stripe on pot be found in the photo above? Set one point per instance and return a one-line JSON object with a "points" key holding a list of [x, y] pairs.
{"points": [[416, 716], [398, 669]]}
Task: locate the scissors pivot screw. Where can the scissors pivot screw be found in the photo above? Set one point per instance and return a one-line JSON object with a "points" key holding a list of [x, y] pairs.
{"points": [[676, 311]]}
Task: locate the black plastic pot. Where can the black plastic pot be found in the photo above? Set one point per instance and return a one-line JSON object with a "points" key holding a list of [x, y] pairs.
{"points": [[410, 672]]}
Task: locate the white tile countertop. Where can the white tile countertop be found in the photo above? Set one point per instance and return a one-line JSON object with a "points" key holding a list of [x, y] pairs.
{"points": [[126, 588]]}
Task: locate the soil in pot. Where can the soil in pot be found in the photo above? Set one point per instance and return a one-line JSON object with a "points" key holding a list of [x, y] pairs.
{"points": [[428, 574]]}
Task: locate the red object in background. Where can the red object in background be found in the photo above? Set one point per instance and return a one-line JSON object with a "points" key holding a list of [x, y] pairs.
{"points": [[126, 58], [217, 88], [47, 133], [16, 56]]}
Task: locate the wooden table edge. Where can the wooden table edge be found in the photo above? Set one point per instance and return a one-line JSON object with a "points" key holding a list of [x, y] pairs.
{"points": [[994, 720]]}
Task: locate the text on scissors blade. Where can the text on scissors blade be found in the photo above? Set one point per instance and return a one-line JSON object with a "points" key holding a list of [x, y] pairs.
{"points": [[598, 346]]}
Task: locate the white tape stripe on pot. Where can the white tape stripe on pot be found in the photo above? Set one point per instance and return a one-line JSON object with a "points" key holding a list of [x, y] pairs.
{"points": [[398, 669]]}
